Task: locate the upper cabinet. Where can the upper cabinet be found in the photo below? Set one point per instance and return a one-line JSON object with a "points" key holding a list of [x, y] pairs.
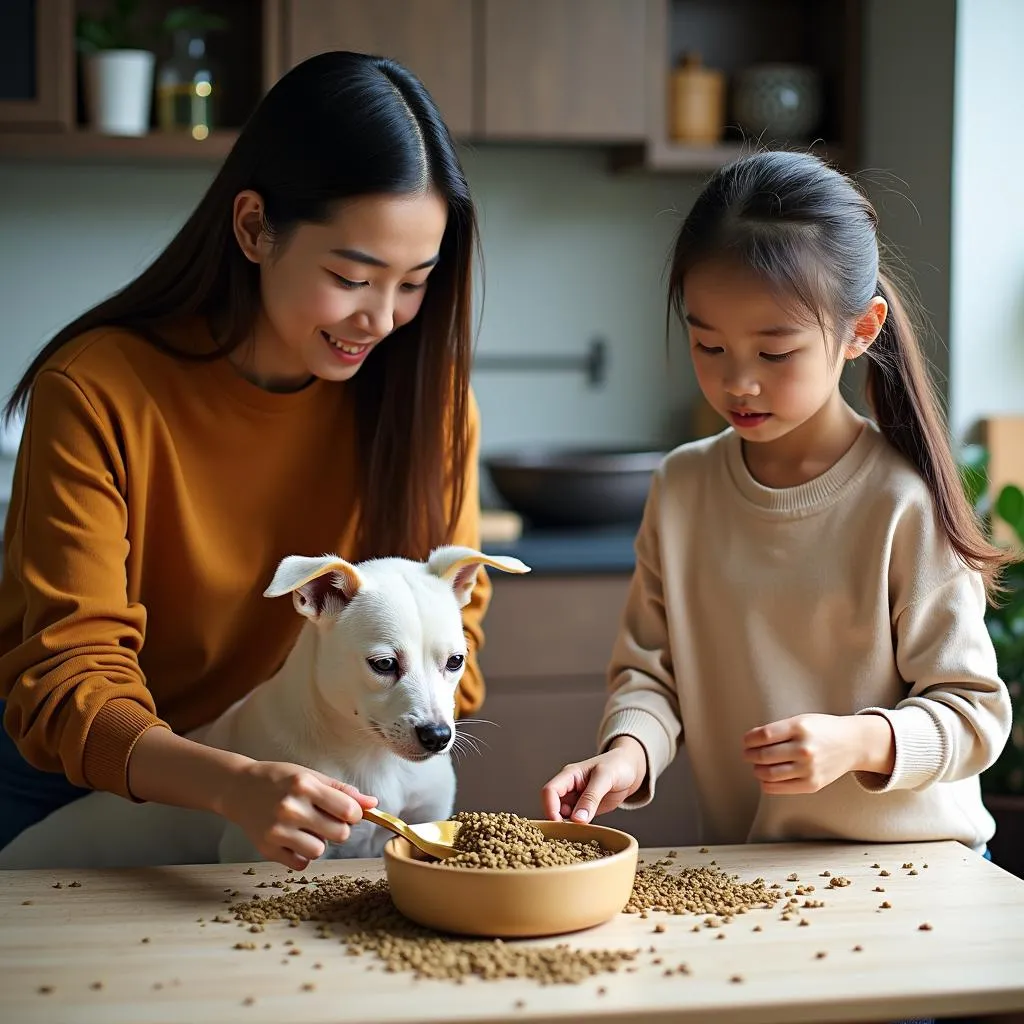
{"points": [[564, 70], [36, 72], [433, 38], [672, 85]]}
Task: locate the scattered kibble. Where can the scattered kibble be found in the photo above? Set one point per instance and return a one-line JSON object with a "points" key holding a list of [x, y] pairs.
{"points": [[96, 986], [145, 939], [245, 945], [858, 949], [308, 986], [704, 849], [820, 955], [74, 885], [249, 871], [879, 888], [826, 874], [804, 923], [838, 882], [45, 990], [757, 928], [26, 903], [736, 979], [926, 927], [885, 905], [884, 873], [659, 928], [908, 864], [792, 878], [912, 871], [248, 1001]]}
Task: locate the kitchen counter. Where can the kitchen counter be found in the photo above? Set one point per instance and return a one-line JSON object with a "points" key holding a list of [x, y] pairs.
{"points": [[572, 551], [149, 938]]}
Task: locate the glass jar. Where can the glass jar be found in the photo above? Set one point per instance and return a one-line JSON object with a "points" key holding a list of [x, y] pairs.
{"points": [[187, 88]]}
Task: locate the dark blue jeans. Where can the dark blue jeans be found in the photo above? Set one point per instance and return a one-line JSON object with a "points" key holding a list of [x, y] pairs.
{"points": [[27, 795]]}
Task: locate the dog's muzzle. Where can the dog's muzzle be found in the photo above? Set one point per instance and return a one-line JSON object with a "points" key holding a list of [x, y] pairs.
{"points": [[434, 737]]}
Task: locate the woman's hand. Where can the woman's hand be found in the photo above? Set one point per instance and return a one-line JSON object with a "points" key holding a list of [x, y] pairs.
{"points": [[598, 785], [290, 813], [809, 752]]}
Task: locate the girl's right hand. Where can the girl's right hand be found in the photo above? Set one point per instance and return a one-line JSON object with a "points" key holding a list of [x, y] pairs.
{"points": [[598, 785], [290, 813]]}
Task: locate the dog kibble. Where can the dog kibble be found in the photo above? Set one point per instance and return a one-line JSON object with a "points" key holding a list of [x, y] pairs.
{"points": [[26, 903], [884, 873], [248, 1001], [144, 940], [503, 840], [376, 927], [912, 871], [96, 986], [793, 877], [908, 864], [878, 888], [858, 949], [249, 871], [659, 928], [885, 905], [838, 882], [45, 990], [926, 927]]}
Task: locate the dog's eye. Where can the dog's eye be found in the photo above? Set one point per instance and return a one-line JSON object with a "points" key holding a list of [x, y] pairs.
{"points": [[384, 666], [455, 662]]}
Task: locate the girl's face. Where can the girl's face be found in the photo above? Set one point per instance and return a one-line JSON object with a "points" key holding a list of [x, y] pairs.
{"points": [[765, 367], [331, 292]]}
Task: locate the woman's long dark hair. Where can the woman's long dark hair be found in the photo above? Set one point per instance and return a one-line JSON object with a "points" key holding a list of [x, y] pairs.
{"points": [[807, 230], [337, 125]]}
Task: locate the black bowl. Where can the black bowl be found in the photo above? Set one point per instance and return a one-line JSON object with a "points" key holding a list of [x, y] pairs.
{"points": [[575, 487]]}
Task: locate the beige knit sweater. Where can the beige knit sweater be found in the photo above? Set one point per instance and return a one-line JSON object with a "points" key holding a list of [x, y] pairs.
{"points": [[841, 596]]}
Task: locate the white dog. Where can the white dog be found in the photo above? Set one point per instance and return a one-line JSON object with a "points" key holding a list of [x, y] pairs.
{"points": [[366, 696]]}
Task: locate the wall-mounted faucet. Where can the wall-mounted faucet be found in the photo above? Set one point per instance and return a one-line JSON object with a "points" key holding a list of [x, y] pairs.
{"points": [[593, 363]]}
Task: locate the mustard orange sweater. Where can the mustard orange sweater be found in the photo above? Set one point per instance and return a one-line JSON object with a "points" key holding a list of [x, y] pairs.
{"points": [[152, 500]]}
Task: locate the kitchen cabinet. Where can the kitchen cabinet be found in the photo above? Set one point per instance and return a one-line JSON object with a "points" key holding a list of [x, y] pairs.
{"points": [[433, 38], [583, 72], [36, 73], [564, 70], [548, 642]]}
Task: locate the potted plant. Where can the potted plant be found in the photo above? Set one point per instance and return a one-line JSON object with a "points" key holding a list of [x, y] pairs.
{"points": [[117, 69], [1003, 784]]}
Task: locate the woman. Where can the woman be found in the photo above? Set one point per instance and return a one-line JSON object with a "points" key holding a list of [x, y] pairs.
{"points": [[291, 375]]}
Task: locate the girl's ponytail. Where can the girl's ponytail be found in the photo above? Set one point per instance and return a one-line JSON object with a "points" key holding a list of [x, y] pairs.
{"points": [[907, 411]]}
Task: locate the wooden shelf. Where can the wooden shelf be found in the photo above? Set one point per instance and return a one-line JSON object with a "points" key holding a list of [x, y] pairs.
{"points": [[91, 147], [663, 156]]}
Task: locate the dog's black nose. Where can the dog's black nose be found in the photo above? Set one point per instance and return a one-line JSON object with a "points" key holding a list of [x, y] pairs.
{"points": [[434, 736]]}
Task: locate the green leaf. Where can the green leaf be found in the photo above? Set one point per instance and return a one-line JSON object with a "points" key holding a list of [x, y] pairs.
{"points": [[1010, 508], [193, 19]]}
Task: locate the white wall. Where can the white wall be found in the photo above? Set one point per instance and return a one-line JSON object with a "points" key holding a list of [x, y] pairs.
{"points": [[907, 151], [987, 303], [569, 251]]}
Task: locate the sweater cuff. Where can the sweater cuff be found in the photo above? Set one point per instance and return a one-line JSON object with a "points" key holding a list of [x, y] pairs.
{"points": [[920, 747], [651, 735], [109, 742]]}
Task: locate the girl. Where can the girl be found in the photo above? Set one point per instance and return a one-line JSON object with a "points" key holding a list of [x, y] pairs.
{"points": [[289, 376], [809, 595]]}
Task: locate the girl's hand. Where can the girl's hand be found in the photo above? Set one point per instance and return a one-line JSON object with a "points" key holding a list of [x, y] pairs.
{"points": [[290, 813], [809, 752], [598, 785]]}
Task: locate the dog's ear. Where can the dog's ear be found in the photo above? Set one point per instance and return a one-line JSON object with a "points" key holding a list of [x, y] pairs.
{"points": [[459, 566], [319, 586]]}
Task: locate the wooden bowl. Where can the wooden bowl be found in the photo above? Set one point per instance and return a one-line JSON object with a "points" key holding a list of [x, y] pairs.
{"points": [[515, 903]]}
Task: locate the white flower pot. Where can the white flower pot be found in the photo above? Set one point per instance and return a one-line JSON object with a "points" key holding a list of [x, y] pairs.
{"points": [[119, 91]]}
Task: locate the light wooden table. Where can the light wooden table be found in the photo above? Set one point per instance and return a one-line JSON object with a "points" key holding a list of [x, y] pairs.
{"points": [[970, 961]]}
